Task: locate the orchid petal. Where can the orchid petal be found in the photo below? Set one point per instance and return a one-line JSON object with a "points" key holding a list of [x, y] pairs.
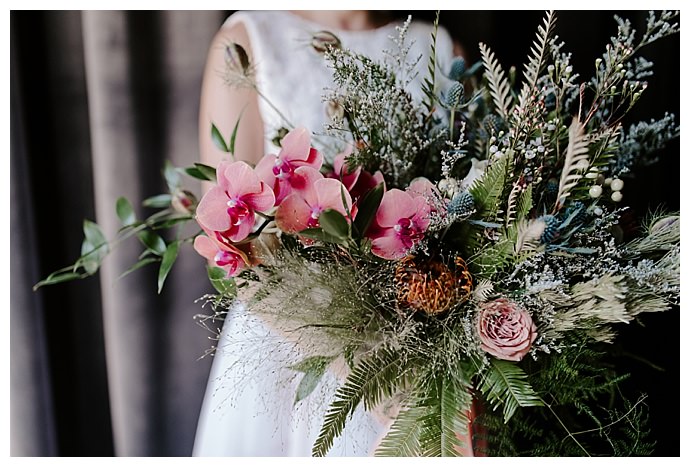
{"points": [[330, 194], [388, 247], [212, 210], [261, 201], [395, 205], [206, 247], [240, 179], [293, 214], [295, 145]]}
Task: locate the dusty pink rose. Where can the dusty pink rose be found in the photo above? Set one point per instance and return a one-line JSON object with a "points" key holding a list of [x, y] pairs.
{"points": [[505, 330], [279, 172]]}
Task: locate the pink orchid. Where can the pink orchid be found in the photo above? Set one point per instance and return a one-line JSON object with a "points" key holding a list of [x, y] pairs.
{"points": [[400, 223], [421, 186], [221, 255], [279, 172], [229, 208], [357, 182], [301, 210]]}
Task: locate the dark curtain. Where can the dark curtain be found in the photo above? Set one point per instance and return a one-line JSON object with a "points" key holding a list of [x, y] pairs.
{"points": [[99, 100]]}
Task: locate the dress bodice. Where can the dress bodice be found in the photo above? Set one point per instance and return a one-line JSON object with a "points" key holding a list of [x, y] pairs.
{"points": [[294, 77]]}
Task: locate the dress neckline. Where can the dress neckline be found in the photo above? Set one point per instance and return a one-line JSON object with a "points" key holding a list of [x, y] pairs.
{"points": [[339, 31]]}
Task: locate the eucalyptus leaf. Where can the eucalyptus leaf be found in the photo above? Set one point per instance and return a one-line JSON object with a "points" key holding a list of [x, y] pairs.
{"points": [[313, 369], [169, 258], [218, 139], [366, 210], [152, 241], [196, 173], [125, 211]]}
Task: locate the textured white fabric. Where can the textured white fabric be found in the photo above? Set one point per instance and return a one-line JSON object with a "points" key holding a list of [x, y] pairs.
{"points": [[248, 407]]}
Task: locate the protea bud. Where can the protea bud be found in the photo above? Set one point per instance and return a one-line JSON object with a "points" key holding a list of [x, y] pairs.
{"points": [[323, 40]]}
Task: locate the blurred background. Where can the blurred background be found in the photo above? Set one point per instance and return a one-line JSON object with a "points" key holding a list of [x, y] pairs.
{"points": [[99, 101]]}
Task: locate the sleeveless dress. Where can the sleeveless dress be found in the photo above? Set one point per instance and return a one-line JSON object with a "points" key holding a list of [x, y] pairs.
{"points": [[249, 408]]}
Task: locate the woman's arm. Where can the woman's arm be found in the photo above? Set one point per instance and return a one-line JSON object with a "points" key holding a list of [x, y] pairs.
{"points": [[222, 104]]}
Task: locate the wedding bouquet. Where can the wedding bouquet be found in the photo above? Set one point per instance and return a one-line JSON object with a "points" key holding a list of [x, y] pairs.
{"points": [[463, 255]]}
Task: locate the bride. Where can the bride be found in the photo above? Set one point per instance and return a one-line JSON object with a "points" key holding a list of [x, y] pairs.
{"points": [[249, 407]]}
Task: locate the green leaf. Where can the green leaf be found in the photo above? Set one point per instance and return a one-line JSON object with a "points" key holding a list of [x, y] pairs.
{"points": [[318, 234], [402, 439], [488, 190], [333, 223], [221, 282], [58, 278], [207, 171], [139, 264], [125, 211], [196, 173], [313, 369], [233, 137], [93, 249], [158, 201], [172, 176], [152, 241], [506, 385], [218, 138], [366, 210], [169, 258]]}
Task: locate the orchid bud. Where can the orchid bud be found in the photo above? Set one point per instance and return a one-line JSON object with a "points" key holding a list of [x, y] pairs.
{"points": [[184, 202]]}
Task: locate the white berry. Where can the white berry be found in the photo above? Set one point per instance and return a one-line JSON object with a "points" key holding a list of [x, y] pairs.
{"points": [[595, 191], [617, 184], [616, 196]]}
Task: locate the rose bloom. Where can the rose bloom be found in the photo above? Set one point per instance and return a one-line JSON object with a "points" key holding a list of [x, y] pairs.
{"points": [[505, 330]]}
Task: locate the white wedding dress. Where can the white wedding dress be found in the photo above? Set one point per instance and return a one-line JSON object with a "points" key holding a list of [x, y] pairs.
{"points": [[248, 408]]}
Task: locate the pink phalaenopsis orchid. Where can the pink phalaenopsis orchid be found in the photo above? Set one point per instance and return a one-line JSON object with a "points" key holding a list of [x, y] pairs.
{"points": [[222, 255], [280, 172], [400, 223], [301, 210], [229, 208]]}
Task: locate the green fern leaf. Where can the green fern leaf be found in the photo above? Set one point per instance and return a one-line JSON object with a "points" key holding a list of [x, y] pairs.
{"points": [[429, 84], [488, 190], [498, 85], [537, 58], [506, 385], [371, 380], [402, 440]]}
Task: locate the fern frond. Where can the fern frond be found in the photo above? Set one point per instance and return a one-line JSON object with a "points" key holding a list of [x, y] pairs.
{"points": [[447, 406], [528, 234], [506, 385], [512, 204], [374, 378], [488, 190], [576, 161], [498, 85], [537, 59], [402, 439]]}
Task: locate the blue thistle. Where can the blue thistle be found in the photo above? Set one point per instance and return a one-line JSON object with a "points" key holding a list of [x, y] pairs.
{"points": [[461, 204], [492, 124], [454, 95], [457, 68], [551, 230], [551, 188], [578, 206]]}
